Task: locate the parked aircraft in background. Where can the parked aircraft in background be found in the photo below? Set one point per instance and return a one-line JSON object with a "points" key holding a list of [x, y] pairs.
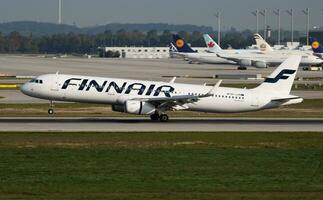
{"points": [[270, 57], [213, 47], [185, 51], [156, 98]]}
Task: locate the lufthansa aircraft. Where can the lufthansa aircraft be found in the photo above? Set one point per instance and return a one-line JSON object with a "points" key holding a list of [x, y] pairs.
{"points": [[156, 98]]}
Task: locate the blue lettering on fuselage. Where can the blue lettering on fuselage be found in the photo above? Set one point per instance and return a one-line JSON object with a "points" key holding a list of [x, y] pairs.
{"points": [[133, 88]]}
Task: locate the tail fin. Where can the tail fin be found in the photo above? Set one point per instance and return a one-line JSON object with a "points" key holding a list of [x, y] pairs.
{"points": [[317, 48], [262, 44], [281, 80], [212, 46], [172, 48], [181, 45]]}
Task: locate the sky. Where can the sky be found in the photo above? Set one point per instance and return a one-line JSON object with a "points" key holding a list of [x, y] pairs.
{"points": [[235, 13]]}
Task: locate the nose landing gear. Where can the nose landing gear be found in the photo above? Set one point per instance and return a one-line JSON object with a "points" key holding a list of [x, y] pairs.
{"points": [[51, 108]]}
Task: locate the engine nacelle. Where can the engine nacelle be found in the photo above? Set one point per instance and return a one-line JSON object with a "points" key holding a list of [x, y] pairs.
{"points": [[135, 107], [139, 108], [245, 63], [260, 64], [118, 108]]}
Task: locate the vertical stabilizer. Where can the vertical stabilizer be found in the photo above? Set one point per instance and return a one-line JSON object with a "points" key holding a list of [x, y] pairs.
{"points": [[181, 45], [316, 46], [282, 79], [262, 44], [212, 46]]}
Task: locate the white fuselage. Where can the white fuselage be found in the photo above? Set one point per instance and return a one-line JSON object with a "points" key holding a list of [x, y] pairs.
{"points": [[277, 57], [76, 88]]}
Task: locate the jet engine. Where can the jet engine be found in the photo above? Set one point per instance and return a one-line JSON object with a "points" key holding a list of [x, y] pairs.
{"points": [[245, 63], [135, 107], [260, 64]]}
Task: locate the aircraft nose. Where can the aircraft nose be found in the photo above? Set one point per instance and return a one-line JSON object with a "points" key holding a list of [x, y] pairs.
{"points": [[25, 88]]}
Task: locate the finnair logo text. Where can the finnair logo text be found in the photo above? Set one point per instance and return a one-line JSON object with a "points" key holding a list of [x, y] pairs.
{"points": [[126, 88]]}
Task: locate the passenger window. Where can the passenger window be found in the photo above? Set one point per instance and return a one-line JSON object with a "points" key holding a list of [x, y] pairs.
{"points": [[41, 81]]}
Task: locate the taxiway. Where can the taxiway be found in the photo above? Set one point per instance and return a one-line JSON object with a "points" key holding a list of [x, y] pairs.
{"points": [[71, 124]]}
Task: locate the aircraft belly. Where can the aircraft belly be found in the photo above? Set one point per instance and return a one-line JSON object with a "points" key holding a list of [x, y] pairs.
{"points": [[222, 106]]}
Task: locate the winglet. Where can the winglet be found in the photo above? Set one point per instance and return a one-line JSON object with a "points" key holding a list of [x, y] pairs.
{"points": [[173, 80]]}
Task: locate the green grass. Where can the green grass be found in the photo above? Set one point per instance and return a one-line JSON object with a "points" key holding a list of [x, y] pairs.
{"points": [[161, 166], [309, 108]]}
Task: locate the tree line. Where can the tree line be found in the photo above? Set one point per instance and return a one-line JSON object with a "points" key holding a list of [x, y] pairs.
{"points": [[16, 42]]}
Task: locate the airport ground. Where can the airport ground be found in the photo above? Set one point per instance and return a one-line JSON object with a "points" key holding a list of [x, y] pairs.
{"points": [[89, 152]]}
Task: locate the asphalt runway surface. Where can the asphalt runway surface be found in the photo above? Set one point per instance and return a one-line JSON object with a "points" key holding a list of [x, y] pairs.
{"points": [[59, 124]]}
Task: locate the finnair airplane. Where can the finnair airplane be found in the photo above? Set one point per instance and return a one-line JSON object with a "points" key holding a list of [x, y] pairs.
{"points": [[156, 98]]}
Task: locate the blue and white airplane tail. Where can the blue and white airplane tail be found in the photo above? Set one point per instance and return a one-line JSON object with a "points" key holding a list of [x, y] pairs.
{"points": [[281, 80], [212, 46], [316, 47], [181, 45]]}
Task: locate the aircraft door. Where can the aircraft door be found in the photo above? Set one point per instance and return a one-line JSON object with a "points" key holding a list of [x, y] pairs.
{"points": [[55, 83]]}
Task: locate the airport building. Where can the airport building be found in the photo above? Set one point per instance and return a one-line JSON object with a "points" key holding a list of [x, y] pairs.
{"points": [[139, 52]]}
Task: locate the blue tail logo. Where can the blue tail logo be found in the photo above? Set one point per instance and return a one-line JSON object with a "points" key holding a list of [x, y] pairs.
{"points": [[283, 75], [181, 45], [317, 48]]}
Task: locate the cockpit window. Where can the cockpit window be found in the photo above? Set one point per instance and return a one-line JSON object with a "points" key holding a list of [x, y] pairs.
{"points": [[36, 81]]}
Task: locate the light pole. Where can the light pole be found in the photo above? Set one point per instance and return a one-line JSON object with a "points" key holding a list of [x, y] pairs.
{"points": [[264, 14], [218, 16], [307, 13], [277, 12], [59, 11], [291, 13], [256, 14]]}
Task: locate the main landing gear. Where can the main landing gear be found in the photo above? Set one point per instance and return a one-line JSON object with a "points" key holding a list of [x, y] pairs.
{"points": [[51, 108], [162, 117]]}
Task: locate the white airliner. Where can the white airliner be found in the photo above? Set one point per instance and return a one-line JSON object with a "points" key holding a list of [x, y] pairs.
{"points": [[270, 57], [261, 58], [155, 98], [210, 56]]}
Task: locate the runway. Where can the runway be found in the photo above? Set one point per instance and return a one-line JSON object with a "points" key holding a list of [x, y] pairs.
{"points": [[71, 124]]}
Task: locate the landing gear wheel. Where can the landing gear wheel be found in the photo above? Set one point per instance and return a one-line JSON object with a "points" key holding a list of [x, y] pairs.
{"points": [[154, 117], [163, 118], [50, 111], [242, 68]]}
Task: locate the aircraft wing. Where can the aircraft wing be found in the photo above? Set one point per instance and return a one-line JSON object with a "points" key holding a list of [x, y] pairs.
{"points": [[231, 58], [177, 102], [172, 103], [237, 59]]}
